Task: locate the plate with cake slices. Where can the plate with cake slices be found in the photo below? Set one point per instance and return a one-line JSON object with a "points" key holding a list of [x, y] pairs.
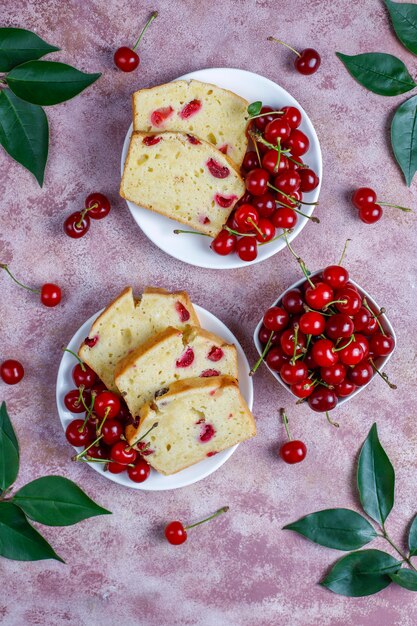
{"points": [[183, 168], [166, 383]]}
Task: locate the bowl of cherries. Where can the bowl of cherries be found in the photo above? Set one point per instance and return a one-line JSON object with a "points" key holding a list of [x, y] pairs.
{"points": [[325, 338]]}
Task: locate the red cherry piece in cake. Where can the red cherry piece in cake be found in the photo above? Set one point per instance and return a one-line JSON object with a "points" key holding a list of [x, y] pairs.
{"points": [[193, 140], [11, 371], [215, 354], [159, 116], [186, 358], [191, 108], [91, 341], [50, 294], [207, 433], [208, 373], [224, 148], [151, 140], [217, 170], [212, 453], [183, 313], [224, 201]]}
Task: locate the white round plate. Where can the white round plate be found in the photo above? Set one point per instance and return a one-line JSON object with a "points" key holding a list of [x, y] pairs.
{"points": [[196, 250], [156, 482]]}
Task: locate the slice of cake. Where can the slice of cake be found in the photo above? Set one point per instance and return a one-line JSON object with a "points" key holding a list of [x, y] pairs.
{"points": [[126, 323], [169, 356], [183, 178], [195, 419], [216, 115]]}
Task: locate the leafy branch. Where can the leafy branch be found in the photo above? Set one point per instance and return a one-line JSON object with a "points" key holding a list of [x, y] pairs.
{"points": [[363, 572], [51, 500]]}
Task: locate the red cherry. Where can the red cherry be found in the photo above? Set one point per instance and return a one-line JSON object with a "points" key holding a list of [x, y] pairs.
{"points": [[265, 205], [98, 205], [322, 399], [50, 294], [261, 122], [339, 326], [175, 533], [312, 323], [287, 342], [303, 389], [288, 182], [371, 213], [126, 59], [79, 435], [292, 373], [371, 327], [310, 362], [348, 301], [344, 389], [285, 218], [97, 452], [224, 243], [361, 319], [293, 302], [116, 468], [76, 225], [382, 345], [251, 161], [83, 375], [323, 353], [245, 217], [107, 404], [257, 181], [296, 164], [11, 371], [333, 374], [277, 129], [140, 471], [276, 318], [267, 231], [247, 248], [122, 453], [276, 358], [298, 143], [361, 374], [363, 342], [293, 451], [270, 162], [112, 431], [309, 179], [292, 116], [363, 197], [352, 354], [319, 296], [307, 62], [335, 276], [73, 403], [263, 334]]}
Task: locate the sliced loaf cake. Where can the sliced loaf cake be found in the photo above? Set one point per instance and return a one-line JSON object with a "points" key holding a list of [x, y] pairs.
{"points": [[195, 419], [126, 323], [169, 356], [183, 178], [206, 111]]}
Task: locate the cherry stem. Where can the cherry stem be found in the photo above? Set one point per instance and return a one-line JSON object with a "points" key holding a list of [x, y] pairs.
{"points": [[74, 355], [296, 327], [307, 308], [235, 232], [396, 548], [334, 302], [299, 261], [107, 411], [314, 219], [382, 311], [148, 23], [263, 243], [190, 232], [224, 509], [3, 266], [335, 424], [284, 44], [84, 212], [300, 165], [78, 456], [91, 459], [298, 202], [261, 358], [255, 145], [144, 435], [383, 375], [254, 117], [344, 251], [276, 168], [352, 338], [255, 226], [395, 206], [285, 422], [88, 409]]}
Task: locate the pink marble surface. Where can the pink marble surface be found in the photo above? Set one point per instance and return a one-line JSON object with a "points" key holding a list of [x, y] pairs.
{"points": [[243, 569]]}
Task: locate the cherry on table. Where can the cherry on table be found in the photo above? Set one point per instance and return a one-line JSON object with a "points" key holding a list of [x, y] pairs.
{"points": [[76, 225], [11, 371], [370, 214], [294, 450], [126, 59], [98, 206], [50, 294], [176, 532], [307, 61]]}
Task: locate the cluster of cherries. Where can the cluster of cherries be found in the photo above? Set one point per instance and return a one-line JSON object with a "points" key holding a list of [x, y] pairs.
{"points": [[275, 178], [323, 339], [369, 208], [101, 430], [97, 206]]}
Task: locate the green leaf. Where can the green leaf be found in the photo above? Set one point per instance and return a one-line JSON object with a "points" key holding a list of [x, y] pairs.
{"points": [[361, 573], [19, 540], [376, 478], [406, 578], [341, 529], [18, 45], [24, 133], [255, 108], [412, 537], [404, 138], [56, 501], [379, 72], [9, 450], [47, 82], [404, 21]]}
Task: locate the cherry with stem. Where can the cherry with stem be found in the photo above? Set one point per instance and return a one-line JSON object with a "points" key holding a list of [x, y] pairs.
{"points": [[127, 59]]}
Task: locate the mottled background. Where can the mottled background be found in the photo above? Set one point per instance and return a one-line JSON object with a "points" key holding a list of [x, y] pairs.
{"points": [[243, 569]]}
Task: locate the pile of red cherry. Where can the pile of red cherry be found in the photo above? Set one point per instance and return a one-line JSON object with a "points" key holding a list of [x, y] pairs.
{"points": [[275, 178], [101, 429], [97, 206], [324, 339]]}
